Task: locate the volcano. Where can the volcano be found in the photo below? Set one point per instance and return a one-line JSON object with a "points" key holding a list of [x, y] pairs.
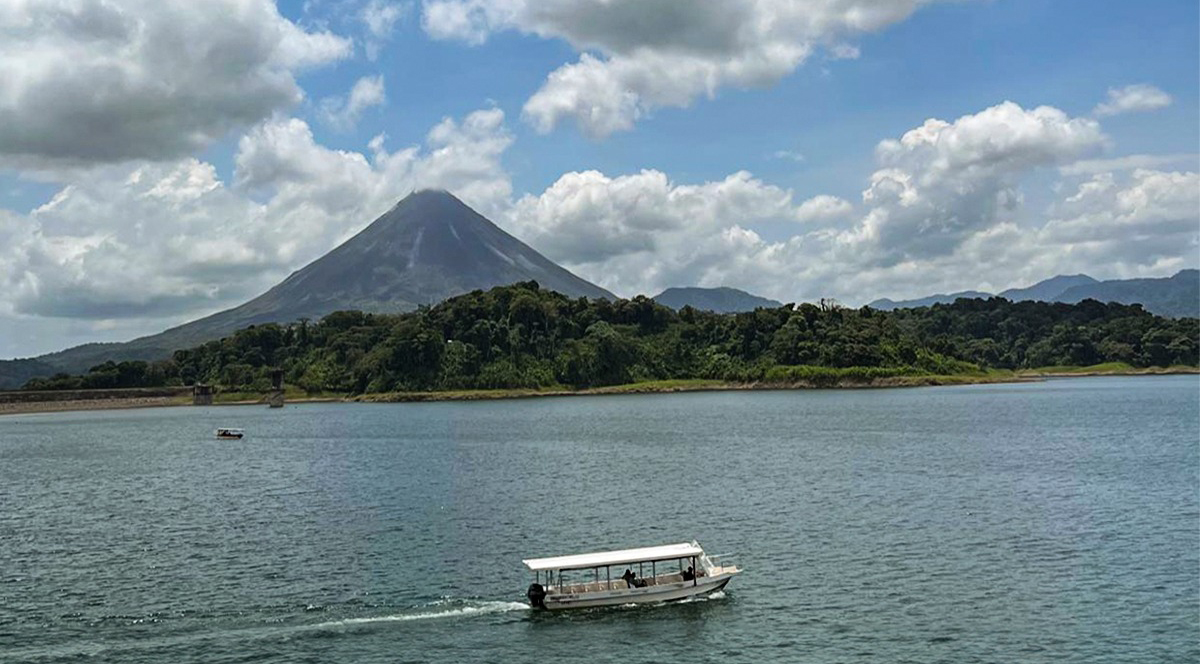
{"points": [[429, 247]]}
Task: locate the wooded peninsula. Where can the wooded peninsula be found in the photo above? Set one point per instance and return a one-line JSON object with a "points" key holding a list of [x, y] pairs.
{"points": [[521, 337]]}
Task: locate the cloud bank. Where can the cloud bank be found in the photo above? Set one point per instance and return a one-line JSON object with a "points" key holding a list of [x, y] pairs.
{"points": [[158, 239], [943, 211], [90, 81]]}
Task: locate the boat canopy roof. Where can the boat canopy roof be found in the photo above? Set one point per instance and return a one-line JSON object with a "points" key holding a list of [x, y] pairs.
{"points": [[605, 558]]}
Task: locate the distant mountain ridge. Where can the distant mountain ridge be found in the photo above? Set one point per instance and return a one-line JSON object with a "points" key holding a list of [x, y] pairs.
{"points": [[884, 304], [722, 300], [1177, 296], [428, 247], [1048, 289]]}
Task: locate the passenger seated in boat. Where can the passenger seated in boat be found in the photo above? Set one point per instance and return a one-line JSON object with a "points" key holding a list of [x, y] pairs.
{"points": [[689, 574], [631, 579]]}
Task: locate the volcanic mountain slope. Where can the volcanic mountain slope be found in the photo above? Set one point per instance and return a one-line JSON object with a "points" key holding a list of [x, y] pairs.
{"points": [[429, 247]]}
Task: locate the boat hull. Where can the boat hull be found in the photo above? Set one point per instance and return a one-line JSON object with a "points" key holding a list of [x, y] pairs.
{"points": [[651, 594]]}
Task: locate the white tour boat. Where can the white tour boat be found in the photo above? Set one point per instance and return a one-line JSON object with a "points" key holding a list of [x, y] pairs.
{"points": [[676, 571]]}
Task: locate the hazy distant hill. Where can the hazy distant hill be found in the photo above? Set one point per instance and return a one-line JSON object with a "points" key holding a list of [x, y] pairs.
{"points": [[429, 247], [15, 372], [1048, 290], [721, 300], [885, 304], [1177, 296]]}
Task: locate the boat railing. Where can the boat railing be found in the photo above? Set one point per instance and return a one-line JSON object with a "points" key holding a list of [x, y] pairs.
{"points": [[614, 584]]}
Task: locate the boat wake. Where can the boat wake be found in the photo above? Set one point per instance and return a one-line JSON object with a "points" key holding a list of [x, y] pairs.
{"points": [[445, 609]]}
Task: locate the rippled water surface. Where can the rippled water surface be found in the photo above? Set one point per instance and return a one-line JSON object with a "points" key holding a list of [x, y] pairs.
{"points": [[1054, 521]]}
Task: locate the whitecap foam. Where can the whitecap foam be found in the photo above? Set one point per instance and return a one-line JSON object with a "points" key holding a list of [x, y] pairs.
{"points": [[720, 594]]}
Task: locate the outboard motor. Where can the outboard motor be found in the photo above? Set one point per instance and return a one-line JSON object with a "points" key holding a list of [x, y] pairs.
{"points": [[536, 595]]}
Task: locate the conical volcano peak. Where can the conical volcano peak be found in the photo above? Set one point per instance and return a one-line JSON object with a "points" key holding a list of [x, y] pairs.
{"points": [[430, 198], [428, 208], [428, 247], [431, 192]]}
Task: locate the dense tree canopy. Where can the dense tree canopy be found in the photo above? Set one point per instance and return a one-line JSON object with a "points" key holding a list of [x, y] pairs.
{"points": [[522, 336]]}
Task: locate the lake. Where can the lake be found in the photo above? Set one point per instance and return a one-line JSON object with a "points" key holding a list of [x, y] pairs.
{"points": [[1054, 521]]}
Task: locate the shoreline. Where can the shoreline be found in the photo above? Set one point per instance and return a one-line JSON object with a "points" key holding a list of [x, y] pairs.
{"points": [[28, 407]]}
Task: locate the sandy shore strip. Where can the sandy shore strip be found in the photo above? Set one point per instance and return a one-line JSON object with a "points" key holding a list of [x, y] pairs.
{"points": [[26, 407], [119, 403]]}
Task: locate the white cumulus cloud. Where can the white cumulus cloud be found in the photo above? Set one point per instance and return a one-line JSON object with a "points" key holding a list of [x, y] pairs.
{"points": [[591, 218], [1128, 162], [943, 181], [1133, 99], [92, 81], [380, 19], [639, 55], [942, 212], [1142, 218], [823, 208], [343, 112], [155, 241]]}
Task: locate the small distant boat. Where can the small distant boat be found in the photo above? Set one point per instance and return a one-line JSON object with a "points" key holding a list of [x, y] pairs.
{"points": [[227, 433], [677, 571]]}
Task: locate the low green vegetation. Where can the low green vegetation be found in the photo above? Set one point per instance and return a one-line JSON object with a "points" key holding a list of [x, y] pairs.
{"points": [[677, 385], [1105, 367], [1111, 368], [291, 393], [523, 338]]}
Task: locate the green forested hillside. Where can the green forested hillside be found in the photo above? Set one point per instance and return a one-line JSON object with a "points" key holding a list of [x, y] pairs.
{"points": [[520, 336]]}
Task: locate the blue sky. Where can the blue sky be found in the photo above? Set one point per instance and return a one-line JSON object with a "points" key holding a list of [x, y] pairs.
{"points": [[947, 60], [642, 144]]}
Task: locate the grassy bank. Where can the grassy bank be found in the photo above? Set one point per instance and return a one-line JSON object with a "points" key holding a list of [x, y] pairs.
{"points": [[1108, 369]]}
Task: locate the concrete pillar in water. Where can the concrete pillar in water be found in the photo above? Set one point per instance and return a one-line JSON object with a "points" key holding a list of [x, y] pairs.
{"points": [[202, 395], [275, 400]]}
